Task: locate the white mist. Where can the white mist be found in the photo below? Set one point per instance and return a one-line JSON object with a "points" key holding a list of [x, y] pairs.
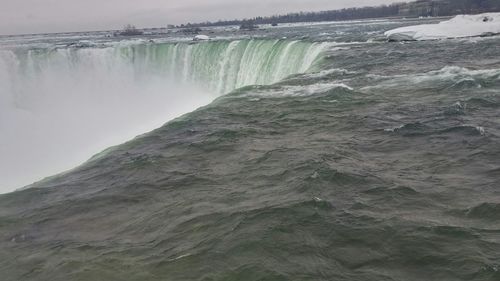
{"points": [[58, 110]]}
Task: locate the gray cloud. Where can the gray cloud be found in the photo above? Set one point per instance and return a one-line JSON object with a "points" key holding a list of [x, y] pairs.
{"points": [[34, 16]]}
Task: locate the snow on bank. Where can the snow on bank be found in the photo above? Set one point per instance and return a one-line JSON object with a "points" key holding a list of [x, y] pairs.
{"points": [[201, 38], [459, 26]]}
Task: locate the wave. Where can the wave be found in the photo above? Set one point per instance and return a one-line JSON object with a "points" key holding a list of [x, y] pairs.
{"points": [[487, 211], [294, 90], [421, 129], [447, 78]]}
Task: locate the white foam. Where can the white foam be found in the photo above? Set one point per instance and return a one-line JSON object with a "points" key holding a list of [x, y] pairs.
{"points": [[296, 91], [448, 73], [481, 130], [327, 72]]}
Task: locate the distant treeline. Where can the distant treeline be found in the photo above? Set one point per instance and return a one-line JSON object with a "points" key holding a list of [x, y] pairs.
{"points": [[407, 9]]}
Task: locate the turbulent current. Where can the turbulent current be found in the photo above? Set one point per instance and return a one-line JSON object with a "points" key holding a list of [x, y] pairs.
{"points": [[301, 152]]}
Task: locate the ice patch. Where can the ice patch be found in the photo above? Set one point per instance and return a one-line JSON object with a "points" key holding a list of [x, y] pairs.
{"points": [[201, 38], [458, 27]]}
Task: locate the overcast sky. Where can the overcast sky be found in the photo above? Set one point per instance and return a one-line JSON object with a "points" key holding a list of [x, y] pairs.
{"points": [[35, 16]]}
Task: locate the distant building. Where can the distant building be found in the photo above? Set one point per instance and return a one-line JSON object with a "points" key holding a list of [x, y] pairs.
{"points": [[424, 8]]}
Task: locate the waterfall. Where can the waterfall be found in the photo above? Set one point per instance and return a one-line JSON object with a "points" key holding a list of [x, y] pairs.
{"points": [[58, 106], [221, 66]]}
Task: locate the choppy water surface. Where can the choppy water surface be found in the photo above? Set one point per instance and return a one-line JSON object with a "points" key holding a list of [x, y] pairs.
{"points": [[372, 161]]}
